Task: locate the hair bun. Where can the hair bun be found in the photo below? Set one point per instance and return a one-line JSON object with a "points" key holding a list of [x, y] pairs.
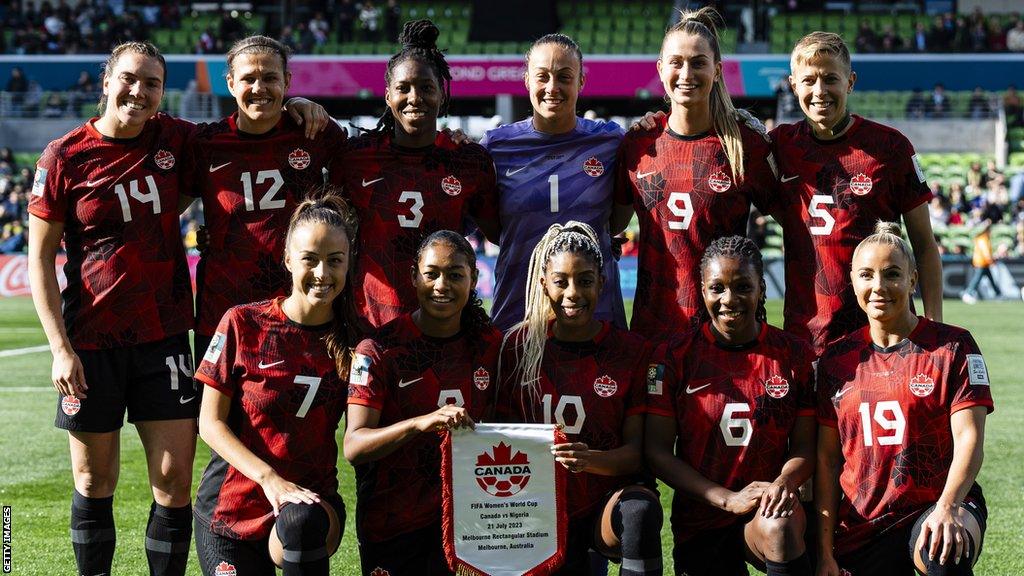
{"points": [[884, 227], [419, 34]]}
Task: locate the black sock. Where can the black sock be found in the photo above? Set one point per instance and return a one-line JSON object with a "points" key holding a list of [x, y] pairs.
{"points": [[168, 536], [92, 534], [800, 566], [636, 521]]}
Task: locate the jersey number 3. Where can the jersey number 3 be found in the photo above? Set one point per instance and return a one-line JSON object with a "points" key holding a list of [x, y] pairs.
{"points": [[415, 201]]}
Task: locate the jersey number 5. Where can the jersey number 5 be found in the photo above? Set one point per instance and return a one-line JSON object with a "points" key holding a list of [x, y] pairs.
{"points": [[815, 210]]}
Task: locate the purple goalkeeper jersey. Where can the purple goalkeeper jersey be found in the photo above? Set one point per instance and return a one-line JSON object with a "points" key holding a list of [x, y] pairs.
{"points": [[544, 179]]}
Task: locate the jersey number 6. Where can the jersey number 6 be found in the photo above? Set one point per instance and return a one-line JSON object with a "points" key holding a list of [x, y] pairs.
{"points": [[730, 425]]}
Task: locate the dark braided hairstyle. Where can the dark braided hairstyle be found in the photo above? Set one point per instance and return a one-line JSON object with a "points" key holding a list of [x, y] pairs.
{"points": [[746, 251], [419, 42], [327, 208], [474, 319]]}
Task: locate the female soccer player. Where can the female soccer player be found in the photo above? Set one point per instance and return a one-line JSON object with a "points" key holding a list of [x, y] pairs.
{"points": [[272, 405], [424, 371], [901, 410], [110, 190], [735, 400], [692, 179], [561, 365], [407, 180], [840, 173], [250, 170], [552, 167]]}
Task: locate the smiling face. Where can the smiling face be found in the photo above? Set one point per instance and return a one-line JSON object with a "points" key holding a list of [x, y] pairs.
{"points": [[259, 83], [883, 282], [732, 292], [317, 257], [688, 69], [821, 86], [414, 97], [572, 283], [554, 79], [133, 88], [443, 279]]}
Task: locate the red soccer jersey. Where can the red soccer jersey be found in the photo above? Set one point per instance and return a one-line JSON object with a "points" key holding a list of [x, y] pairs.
{"points": [[587, 387], [402, 196], [128, 279], [832, 195], [684, 195], [286, 402], [250, 185], [734, 410], [892, 407], [403, 373]]}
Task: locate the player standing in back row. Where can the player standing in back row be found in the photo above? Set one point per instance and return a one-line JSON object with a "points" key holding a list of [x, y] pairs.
{"points": [[692, 179], [841, 173], [406, 180], [551, 168]]}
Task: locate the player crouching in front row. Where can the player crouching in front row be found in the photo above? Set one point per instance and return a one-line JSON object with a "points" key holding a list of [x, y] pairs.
{"points": [[734, 398], [901, 406]]}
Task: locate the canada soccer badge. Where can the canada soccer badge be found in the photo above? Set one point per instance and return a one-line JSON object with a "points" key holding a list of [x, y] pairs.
{"points": [[922, 385], [299, 159], [605, 386], [378, 571], [860, 184], [70, 405], [481, 378], [593, 167], [719, 182], [501, 473], [164, 159], [225, 569], [776, 386], [451, 185]]}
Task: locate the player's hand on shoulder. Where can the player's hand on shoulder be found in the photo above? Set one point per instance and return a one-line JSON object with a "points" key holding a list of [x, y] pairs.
{"points": [[67, 374], [746, 499], [650, 121], [575, 456], [279, 491], [457, 136], [780, 499], [309, 114], [446, 417]]}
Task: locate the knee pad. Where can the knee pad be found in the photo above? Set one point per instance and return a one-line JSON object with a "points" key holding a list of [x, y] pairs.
{"points": [[302, 530]]}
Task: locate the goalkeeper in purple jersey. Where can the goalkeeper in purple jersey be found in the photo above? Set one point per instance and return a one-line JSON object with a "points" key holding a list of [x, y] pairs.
{"points": [[552, 168]]}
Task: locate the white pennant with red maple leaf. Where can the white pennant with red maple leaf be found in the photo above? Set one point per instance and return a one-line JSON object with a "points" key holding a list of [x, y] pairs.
{"points": [[503, 500]]}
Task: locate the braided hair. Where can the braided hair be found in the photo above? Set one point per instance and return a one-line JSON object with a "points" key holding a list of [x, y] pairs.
{"points": [[474, 319], [746, 251], [574, 238], [327, 208], [419, 42]]}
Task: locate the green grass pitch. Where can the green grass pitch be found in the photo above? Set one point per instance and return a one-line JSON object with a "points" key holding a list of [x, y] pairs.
{"points": [[36, 481]]}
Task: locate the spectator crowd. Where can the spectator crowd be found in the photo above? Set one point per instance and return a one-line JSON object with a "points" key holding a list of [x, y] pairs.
{"points": [[975, 32]]}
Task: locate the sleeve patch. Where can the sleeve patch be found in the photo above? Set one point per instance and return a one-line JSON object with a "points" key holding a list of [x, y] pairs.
{"points": [[655, 379], [917, 168], [216, 347], [39, 183], [360, 370], [976, 370]]}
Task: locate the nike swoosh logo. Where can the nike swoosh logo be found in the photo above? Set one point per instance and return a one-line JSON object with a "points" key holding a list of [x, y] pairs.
{"points": [[183, 400], [843, 391], [509, 171], [95, 183], [788, 178], [642, 175], [367, 183], [215, 168], [262, 365], [403, 383], [697, 389]]}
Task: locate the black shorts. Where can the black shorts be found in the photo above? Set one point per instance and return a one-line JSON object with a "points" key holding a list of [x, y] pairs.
{"points": [[222, 556], [151, 381], [892, 551], [712, 552], [416, 553]]}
